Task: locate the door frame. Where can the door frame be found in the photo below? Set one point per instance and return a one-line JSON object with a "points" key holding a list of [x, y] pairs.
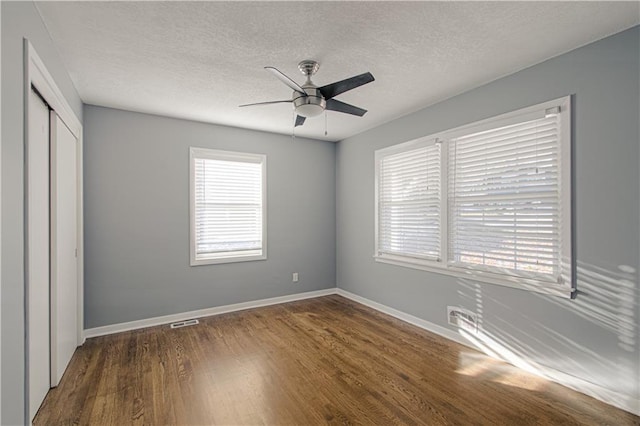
{"points": [[37, 76]]}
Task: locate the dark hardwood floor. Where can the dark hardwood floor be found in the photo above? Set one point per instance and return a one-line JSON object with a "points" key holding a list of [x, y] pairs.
{"points": [[318, 361]]}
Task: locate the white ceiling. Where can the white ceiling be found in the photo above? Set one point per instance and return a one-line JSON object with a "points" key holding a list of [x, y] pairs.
{"points": [[200, 60]]}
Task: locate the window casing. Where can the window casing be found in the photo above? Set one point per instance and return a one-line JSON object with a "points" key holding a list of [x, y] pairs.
{"points": [[227, 206], [503, 195]]}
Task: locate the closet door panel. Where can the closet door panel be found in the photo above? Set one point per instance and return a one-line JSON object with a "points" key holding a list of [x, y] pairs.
{"points": [[37, 160], [64, 227]]}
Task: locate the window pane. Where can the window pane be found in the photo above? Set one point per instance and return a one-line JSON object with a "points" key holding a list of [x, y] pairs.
{"points": [[227, 207], [504, 199], [409, 203]]}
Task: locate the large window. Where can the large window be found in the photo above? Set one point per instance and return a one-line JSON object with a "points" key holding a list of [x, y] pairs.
{"points": [[228, 211], [490, 201]]}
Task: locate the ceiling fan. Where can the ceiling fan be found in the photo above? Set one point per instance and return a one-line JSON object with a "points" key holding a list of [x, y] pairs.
{"points": [[310, 100]]}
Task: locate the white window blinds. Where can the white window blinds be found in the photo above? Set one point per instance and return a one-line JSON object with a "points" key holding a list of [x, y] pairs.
{"points": [[227, 205], [504, 199], [489, 201], [409, 203]]}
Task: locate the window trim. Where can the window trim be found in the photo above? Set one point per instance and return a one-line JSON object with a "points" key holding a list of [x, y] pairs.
{"points": [[215, 154], [565, 287]]}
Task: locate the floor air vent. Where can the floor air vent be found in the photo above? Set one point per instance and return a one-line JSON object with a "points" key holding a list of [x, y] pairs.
{"points": [[462, 318], [186, 323]]}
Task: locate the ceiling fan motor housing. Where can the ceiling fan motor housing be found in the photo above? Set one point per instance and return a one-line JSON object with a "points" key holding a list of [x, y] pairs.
{"points": [[311, 105]]}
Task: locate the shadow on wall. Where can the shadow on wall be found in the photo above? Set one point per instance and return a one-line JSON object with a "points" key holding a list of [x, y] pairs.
{"points": [[607, 369]]}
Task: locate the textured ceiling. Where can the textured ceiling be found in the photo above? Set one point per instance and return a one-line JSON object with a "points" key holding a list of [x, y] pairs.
{"points": [[200, 60]]}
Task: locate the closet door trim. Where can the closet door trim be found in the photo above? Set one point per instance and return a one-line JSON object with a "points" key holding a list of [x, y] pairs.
{"points": [[36, 76]]}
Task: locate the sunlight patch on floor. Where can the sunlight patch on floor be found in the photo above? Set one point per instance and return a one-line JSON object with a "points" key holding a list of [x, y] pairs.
{"points": [[478, 365]]}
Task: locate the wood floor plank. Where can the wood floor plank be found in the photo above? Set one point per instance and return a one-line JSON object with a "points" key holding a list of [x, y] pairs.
{"points": [[327, 360]]}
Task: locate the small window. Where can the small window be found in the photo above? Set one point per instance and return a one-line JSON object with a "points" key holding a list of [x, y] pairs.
{"points": [[228, 215], [489, 201]]}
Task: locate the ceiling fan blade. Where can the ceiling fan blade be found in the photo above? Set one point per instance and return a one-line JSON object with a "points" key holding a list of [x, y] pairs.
{"points": [[334, 89], [336, 105], [266, 103], [299, 120], [286, 80]]}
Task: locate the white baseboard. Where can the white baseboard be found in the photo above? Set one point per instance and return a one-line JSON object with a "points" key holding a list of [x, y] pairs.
{"points": [[151, 322], [623, 401]]}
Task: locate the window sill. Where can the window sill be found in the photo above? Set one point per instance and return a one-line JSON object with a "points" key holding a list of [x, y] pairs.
{"points": [[533, 285], [231, 258]]}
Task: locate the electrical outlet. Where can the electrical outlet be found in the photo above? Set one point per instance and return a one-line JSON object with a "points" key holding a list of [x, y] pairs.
{"points": [[295, 277]]}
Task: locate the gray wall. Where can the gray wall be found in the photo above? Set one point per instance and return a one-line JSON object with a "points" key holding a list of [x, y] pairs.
{"points": [[594, 337], [136, 194], [19, 19], [136, 215]]}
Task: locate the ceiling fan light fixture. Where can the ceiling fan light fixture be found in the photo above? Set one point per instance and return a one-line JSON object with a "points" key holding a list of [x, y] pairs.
{"points": [[310, 105], [309, 110]]}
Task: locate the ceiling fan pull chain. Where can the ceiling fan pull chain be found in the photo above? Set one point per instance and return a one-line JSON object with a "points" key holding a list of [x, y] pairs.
{"points": [[325, 122]]}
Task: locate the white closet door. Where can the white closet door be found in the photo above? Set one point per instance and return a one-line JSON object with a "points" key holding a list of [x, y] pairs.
{"points": [[38, 252], [64, 267]]}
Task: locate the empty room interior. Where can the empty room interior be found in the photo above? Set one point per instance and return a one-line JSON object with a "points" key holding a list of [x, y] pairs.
{"points": [[316, 212]]}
